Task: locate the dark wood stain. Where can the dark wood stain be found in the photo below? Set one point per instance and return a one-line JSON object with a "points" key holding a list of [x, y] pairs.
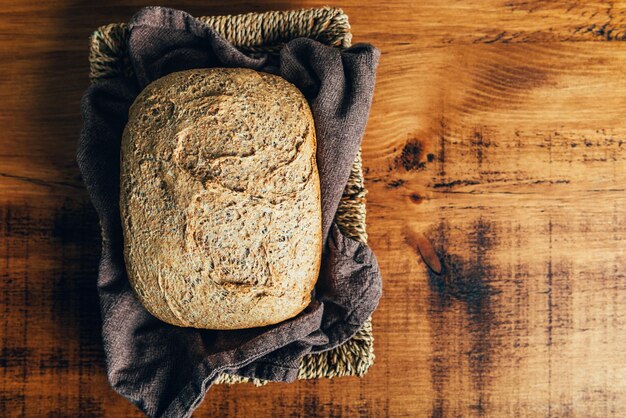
{"points": [[442, 138], [90, 407], [8, 399], [559, 181], [14, 357], [69, 236], [394, 184], [453, 183], [479, 144], [416, 198], [411, 156], [56, 359], [464, 283], [77, 232]]}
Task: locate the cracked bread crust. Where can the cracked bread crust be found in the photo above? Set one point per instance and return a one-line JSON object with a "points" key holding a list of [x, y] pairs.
{"points": [[220, 199]]}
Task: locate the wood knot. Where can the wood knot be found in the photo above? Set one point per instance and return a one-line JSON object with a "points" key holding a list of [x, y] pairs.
{"points": [[425, 250], [411, 156]]}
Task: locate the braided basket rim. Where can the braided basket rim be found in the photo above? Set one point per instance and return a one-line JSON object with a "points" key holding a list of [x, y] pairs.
{"points": [[267, 32]]}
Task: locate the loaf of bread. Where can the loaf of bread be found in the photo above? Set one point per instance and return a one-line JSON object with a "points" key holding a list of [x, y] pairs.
{"points": [[220, 199]]}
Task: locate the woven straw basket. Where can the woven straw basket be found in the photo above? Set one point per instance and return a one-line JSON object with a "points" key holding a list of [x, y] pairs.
{"points": [[267, 32]]}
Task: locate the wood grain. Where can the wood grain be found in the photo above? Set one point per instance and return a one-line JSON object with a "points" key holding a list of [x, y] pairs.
{"points": [[496, 135]]}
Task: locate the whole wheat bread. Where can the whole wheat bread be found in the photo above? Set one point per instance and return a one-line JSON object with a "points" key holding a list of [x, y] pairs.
{"points": [[220, 199]]}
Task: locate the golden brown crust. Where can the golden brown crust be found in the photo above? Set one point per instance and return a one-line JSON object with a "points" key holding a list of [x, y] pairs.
{"points": [[220, 199]]}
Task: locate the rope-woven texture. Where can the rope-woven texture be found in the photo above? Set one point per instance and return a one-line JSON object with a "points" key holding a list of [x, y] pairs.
{"points": [[250, 32], [267, 32]]}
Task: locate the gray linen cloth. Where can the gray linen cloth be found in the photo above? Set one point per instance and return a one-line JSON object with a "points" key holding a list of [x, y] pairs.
{"points": [[166, 370]]}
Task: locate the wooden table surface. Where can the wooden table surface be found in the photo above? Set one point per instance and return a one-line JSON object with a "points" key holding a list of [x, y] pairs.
{"points": [[497, 134]]}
